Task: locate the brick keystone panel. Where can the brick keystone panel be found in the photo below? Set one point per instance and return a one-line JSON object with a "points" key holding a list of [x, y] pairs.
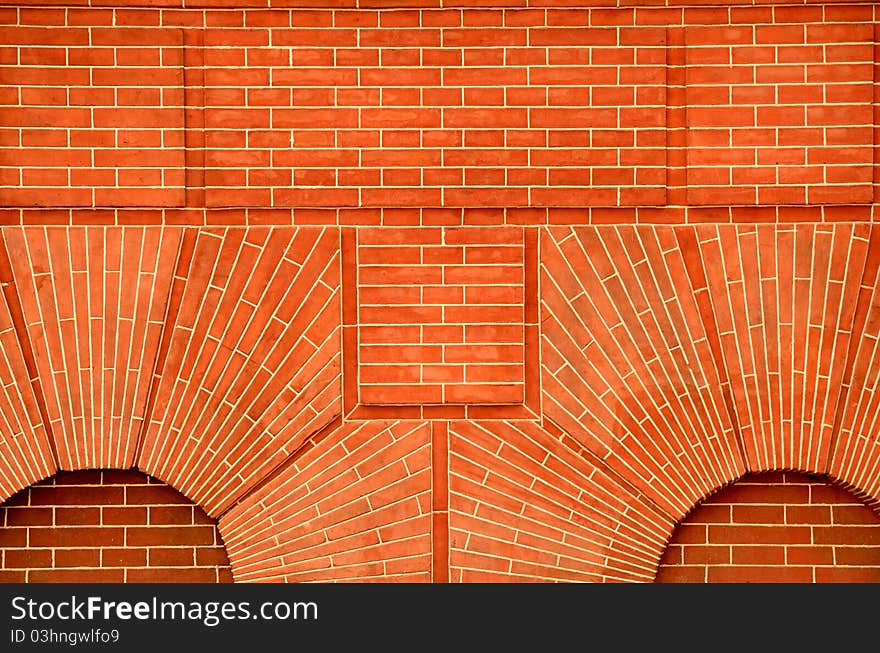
{"points": [[776, 527], [108, 526], [441, 316]]}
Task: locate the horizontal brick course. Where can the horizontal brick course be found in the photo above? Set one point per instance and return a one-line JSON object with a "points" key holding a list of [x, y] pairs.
{"points": [[78, 527], [777, 531]]}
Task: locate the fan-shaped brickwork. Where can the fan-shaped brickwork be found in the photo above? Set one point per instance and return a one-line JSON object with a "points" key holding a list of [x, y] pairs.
{"points": [[856, 454], [114, 526], [533, 505], [94, 301], [776, 527], [252, 366], [628, 368], [355, 504], [26, 451], [448, 293], [783, 299]]}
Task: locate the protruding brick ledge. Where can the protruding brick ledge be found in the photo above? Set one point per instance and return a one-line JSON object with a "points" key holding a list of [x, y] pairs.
{"points": [[477, 216]]}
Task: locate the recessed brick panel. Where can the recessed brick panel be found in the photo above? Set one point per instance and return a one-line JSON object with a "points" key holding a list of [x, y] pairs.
{"points": [[776, 527], [441, 316], [91, 116], [110, 526], [780, 113]]}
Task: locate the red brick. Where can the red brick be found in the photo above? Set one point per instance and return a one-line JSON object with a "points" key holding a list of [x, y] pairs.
{"points": [[76, 576], [77, 558], [168, 535], [171, 557], [27, 558], [760, 574], [175, 575], [80, 502], [811, 551], [77, 516]]}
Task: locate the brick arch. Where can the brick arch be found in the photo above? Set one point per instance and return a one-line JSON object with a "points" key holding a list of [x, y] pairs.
{"points": [[779, 526], [108, 525]]}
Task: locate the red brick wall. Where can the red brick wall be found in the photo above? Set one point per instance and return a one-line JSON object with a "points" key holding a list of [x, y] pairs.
{"points": [[776, 527], [450, 293], [513, 107], [108, 526]]}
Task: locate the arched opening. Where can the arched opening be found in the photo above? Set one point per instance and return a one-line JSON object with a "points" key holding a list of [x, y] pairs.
{"points": [[776, 527], [110, 526]]}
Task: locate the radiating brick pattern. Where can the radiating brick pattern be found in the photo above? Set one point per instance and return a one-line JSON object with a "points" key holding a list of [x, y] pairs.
{"points": [[783, 300], [91, 116], [422, 108], [780, 113], [440, 293], [354, 506], [108, 526], [25, 451], [94, 302], [627, 368], [530, 506], [855, 456], [776, 527], [440, 316], [252, 366]]}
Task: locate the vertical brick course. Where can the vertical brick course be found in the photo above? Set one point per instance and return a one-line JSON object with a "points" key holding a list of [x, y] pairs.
{"points": [[94, 300]]}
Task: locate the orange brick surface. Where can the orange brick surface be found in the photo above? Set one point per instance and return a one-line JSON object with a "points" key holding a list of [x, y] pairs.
{"points": [[776, 527], [108, 526], [441, 316], [446, 293]]}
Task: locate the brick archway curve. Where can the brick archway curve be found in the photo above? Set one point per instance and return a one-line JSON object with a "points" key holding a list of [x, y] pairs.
{"points": [[768, 482], [108, 525]]}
